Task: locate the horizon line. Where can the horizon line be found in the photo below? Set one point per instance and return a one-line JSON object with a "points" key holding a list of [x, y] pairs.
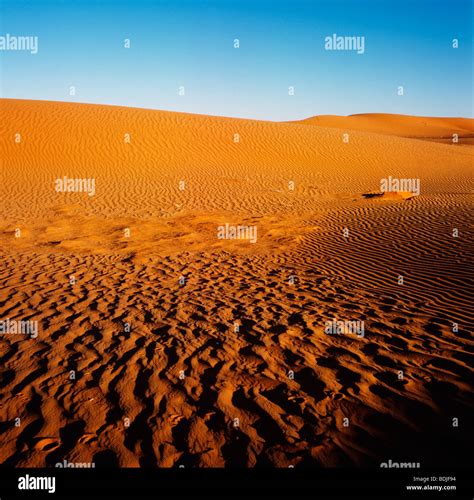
{"points": [[231, 117]]}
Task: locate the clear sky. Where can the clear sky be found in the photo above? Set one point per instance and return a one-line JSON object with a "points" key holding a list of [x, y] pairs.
{"points": [[282, 43]]}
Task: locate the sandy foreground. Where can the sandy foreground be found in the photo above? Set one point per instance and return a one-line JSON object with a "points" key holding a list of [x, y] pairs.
{"points": [[160, 344]]}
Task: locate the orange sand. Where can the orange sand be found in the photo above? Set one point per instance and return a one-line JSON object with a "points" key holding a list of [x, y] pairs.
{"points": [[416, 127], [289, 384]]}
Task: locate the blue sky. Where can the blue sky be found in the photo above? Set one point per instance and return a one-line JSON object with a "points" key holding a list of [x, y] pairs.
{"points": [[191, 43]]}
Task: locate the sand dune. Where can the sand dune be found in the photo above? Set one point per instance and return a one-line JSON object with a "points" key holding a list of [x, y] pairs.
{"points": [[227, 361], [416, 127]]}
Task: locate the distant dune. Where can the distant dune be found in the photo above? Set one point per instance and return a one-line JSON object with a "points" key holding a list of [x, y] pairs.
{"points": [[416, 127], [226, 360]]}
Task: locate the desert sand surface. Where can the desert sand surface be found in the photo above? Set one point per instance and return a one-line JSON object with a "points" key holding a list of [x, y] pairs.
{"points": [[227, 361], [415, 127]]}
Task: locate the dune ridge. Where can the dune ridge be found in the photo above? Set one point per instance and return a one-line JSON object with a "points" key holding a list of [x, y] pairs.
{"points": [[416, 127]]}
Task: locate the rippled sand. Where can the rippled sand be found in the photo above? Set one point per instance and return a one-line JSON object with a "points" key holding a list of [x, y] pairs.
{"points": [[226, 361]]}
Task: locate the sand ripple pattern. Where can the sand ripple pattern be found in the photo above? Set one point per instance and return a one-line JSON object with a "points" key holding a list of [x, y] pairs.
{"points": [[228, 375], [182, 385]]}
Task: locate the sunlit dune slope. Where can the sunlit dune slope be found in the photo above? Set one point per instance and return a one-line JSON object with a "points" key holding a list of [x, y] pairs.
{"points": [[416, 127], [227, 164]]}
